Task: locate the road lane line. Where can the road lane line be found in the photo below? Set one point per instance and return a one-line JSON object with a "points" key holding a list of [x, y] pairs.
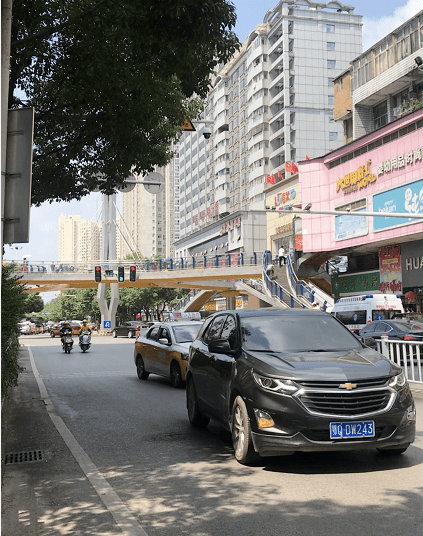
{"points": [[123, 517]]}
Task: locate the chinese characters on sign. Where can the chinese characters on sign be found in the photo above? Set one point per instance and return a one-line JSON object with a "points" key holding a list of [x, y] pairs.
{"points": [[230, 224], [390, 269], [348, 284], [354, 181], [399, 161]]}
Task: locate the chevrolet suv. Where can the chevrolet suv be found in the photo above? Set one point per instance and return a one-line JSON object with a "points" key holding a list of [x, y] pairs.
{"points": [[296, 380]]}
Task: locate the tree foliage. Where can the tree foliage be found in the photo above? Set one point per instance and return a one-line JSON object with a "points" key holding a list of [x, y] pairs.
{"points": [[12, 310], [111, 83], [33, 303]]}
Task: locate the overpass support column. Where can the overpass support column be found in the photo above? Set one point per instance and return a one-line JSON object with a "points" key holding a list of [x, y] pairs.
{"points": [[108, 312], [230, 303]]}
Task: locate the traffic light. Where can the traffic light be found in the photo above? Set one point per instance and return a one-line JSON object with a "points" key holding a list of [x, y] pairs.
{"points": [[121, 274], [97, 273], [132, 273]]}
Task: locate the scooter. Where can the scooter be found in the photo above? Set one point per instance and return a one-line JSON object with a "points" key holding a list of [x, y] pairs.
{"points": [[85, 341], [67, 342]]}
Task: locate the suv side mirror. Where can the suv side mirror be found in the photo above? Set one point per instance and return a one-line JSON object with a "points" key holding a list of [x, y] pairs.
{"points": [[370, 342], [220, 346]]}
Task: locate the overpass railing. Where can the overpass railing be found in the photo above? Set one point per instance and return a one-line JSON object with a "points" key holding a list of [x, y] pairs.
{"points": [[142, 265]]}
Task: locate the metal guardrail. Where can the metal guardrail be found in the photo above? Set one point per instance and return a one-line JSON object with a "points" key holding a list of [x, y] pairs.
{"points": [[142, 265], [407, 355], [275, 289]]}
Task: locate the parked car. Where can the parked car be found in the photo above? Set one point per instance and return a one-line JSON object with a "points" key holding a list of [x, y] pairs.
{"points": [[402, 330], [24, 328], [164, 350], [296, 380], [127, 329]]}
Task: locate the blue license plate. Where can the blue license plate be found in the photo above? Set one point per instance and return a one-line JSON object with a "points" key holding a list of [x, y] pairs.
{"points": [[350, 430]]}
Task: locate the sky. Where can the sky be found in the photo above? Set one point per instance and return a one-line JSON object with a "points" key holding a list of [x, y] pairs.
{"points": [[380, 17]]}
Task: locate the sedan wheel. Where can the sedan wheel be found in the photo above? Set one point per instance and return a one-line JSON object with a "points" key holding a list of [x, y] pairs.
{"points": [[194, 416], [114, 334], [241, 433], [142, 373], [52, 334], [175, 375], [130, 334]]}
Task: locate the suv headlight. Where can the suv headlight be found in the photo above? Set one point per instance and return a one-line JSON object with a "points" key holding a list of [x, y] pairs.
{"points": [[398, 381], [275, 385]]}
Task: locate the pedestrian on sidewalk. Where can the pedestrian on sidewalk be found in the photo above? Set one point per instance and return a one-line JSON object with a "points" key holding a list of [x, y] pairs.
{"points": [[282, 256]]}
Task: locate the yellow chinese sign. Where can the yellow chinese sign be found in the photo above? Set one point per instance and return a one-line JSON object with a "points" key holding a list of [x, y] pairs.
{"points": [[354, 181]]}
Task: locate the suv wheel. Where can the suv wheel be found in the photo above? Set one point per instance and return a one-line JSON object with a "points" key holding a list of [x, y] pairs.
{"points": [[241, 433], [194, 416], [114, 334]]}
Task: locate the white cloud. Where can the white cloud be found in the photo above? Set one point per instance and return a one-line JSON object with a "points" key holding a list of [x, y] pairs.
{"points": [[376, 29]]}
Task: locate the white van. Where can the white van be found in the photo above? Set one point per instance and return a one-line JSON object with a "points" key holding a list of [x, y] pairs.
{"points": [[357, 311]]}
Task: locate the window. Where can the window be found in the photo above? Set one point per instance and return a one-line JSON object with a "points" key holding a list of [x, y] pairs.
{"points": [[330, 45], [380, 114], [340, 84], [213, 331], [331, 100], [330, 82], [229, 331], [331, 64], [333, 136], [330, 28]]}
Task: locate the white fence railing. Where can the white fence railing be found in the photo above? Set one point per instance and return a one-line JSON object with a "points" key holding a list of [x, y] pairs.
{"points": [[407, 355]]}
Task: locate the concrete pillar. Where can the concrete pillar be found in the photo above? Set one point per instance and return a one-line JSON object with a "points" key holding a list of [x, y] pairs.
{"points": [[108, 311], [230, 303]]}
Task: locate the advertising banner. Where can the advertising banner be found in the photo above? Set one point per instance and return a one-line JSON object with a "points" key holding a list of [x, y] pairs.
{"points": [[347, 226], [407, 198], [390, 269]]}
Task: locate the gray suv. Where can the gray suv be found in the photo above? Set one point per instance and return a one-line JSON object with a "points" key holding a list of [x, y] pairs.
{"points": [[296, 380]]}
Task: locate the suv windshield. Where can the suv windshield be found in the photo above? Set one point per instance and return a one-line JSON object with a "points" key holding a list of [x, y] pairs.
{"points": [[287, 333]]}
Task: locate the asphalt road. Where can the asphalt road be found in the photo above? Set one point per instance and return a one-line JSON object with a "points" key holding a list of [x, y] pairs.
{"points": [[129, 462]]}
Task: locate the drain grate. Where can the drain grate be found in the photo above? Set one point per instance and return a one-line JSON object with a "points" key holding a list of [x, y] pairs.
{"points": [[24, 457]]}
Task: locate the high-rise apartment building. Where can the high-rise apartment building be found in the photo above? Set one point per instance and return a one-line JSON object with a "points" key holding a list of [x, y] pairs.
{"points": [[143, 229], [270, 105], [79, 240]]}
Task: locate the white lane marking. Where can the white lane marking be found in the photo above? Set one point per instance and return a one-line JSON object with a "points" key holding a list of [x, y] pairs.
{"points": [[123, 517]]}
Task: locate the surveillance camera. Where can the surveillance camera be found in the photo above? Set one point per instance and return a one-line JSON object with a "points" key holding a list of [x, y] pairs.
{"points": [[207, 132], [419, 61]]}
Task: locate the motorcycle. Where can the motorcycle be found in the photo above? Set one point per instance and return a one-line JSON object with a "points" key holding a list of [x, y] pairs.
{"points": [[67, 341], [85, 341]]}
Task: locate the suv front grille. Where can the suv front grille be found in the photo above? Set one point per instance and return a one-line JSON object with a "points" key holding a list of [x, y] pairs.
{"points": [[347, 403]]}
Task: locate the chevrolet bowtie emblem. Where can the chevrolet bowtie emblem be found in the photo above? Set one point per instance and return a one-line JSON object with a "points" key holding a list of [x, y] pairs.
{"points": [[348, 386]]}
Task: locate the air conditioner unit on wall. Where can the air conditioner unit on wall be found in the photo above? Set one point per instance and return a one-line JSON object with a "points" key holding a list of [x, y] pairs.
{"points": [[396, 111]]}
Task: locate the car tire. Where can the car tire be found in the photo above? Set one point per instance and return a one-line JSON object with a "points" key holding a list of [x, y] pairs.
{"points": [[393, 451], [114, 334], [195, 418], [241, 433], [141, 372], [130, 334], [175, 375], [52, 334]]}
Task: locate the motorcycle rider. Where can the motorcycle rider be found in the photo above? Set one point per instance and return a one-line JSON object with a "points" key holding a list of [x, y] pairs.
{"points": [[84, 327], [66, 329]]}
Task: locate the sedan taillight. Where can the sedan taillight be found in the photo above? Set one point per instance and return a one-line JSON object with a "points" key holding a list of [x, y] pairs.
{"points": [[410, 338]]}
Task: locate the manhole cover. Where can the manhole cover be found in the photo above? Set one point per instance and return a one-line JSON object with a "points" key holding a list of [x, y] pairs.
{"points": [[24, 457]]}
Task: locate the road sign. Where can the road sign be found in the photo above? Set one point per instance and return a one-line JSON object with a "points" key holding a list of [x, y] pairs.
{"points": [[107, 324], [187, 125]]}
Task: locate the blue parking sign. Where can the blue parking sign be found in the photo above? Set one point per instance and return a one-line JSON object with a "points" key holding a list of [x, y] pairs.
{"points": [[107, 324]]}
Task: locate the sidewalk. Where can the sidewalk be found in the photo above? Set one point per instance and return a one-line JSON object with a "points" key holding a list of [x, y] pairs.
{"points": [[48, 497]]}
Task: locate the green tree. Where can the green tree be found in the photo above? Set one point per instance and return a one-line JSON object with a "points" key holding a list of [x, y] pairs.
{"points": [[33, 303], [12, 310], [111, 83]]}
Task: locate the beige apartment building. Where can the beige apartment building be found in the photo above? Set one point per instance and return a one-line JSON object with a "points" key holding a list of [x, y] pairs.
{"points": [[79, 240]]}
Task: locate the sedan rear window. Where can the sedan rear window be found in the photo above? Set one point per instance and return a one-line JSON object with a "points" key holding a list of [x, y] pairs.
{"points": [[294, 334]]}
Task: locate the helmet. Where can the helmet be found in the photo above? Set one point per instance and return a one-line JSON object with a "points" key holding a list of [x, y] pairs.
{"points": [[84, 321]]}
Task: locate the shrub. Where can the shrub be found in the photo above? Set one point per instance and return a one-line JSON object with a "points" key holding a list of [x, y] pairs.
{"points": [[12, 310]]}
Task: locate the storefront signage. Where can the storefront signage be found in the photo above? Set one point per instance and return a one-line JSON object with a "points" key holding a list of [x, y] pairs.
{"points": [[285, 197], [230, 224], [349, 284], [407, 198], [390, 269], [356, 180], [399, 161], [351, 226], [284, 228]]}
